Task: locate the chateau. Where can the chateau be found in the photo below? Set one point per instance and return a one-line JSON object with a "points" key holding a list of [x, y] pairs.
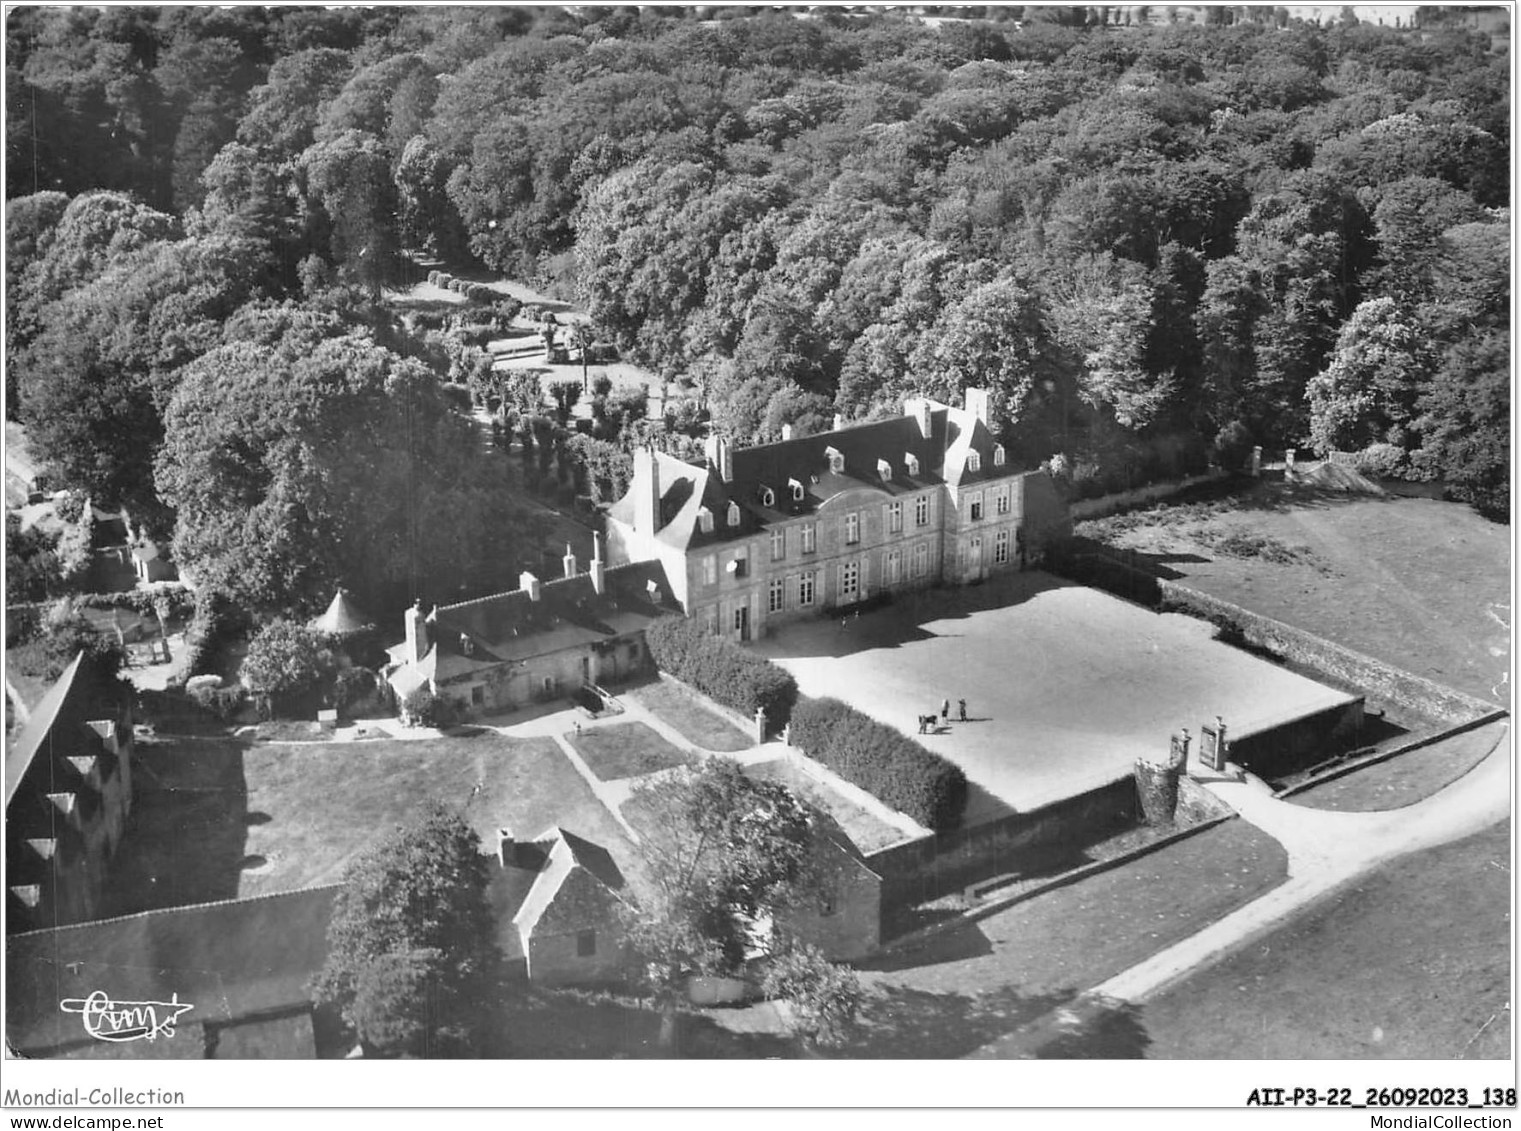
{"points": [[820, 523]]}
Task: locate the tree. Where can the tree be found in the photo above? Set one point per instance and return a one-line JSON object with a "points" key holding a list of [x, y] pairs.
{"points": [[722, 853], [411, 964], [1466, 422], [287, 660], [348, 178], [824, 998], [1368, 392]]}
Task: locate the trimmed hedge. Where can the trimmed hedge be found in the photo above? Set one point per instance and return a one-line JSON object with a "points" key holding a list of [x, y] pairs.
{"points": [[716, 667], [891, 767]]}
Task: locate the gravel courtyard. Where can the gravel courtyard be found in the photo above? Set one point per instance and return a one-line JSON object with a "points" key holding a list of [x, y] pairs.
{"points": [[1065, 686]]}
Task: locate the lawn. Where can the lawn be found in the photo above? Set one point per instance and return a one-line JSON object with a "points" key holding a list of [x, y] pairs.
{"points": [[867, 831], [1066, 686], [1325, 987], [1421, 584], [698, 724], [221, 819], [1406, 778], [626, 750], [981, 981]]}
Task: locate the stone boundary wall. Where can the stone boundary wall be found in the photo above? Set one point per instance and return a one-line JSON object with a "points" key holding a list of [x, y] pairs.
{"points": [[934, 865], [1354, 669], [1122, 500]]}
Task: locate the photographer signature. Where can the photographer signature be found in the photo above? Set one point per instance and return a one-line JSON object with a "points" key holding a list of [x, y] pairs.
{"points": [[108, 1020]]}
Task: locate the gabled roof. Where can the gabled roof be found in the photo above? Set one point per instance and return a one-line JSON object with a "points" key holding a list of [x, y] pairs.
{"points": [[39, 726], [232, 960], [569, 612], [684, 490], [562, 853]]}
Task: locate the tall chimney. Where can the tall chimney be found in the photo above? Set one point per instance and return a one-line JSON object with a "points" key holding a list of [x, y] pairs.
{"points": [[716, 448], [529, 584], [839, 422], [506, 848], [646, 490], [977, 403], [417, 633], [569, 561], [786, 432], [598, 570], [919, 409]]}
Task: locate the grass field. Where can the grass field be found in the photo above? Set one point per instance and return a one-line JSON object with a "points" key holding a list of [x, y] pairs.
{"points": [[1421, 584], [866, 831], [626, 750], [698, 724], [1065, 686], [1412, 962], [218, 819]]}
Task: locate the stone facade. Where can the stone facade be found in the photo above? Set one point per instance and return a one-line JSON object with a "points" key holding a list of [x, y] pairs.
{"points": [[761, 536]]}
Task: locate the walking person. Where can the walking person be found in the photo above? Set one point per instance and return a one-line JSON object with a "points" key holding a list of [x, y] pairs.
{"points": [[961, 706], [945, 710]]}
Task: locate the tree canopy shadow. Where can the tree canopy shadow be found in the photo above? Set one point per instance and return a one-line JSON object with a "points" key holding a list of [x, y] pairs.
{"points": [[898, 1022], [1084, 1030]]}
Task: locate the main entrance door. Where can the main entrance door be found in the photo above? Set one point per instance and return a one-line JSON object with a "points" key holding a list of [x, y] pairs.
{"points": [[742, 622]]}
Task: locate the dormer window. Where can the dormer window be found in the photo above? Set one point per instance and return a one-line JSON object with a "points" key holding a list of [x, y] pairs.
{"points": [[705, 520], [911, 462], [836, 460], [884, 471], [733, 516], [973, 461], [797, 490], [767, 497], [998, 455]]}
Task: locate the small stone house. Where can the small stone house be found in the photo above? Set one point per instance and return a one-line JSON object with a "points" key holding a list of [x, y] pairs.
{"points": [[542, 641], [556, 898], [846, 921]]}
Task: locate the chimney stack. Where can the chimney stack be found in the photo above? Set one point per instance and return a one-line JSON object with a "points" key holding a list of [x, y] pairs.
{"points": [[646, 490], [839, 422], [919, 409], [598, 570], [417, 633], [569, 561], [529, 584], [716, 449], [977, 403], [506, 848], [786, 432]]}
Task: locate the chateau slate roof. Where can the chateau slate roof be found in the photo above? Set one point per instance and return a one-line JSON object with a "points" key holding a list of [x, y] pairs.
{"points": [[38, 729]]}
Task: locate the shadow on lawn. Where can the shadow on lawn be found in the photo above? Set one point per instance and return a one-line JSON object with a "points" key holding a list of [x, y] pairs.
{"points": [[552, 1026], [1085, 1030], [186, 837]]}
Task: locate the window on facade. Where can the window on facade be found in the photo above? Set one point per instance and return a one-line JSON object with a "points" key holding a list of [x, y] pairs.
{"points": [[894, 518], [1001, 548], [776, 598], [710, 615], [810, 538], [740, 566], [850, 581], [973, 461], [477, 696], [710, 570], [892, 566], [778, 545], [921, 559], [586, 944], [805, 589], [852, 528], [1001, 502], [733, 514], [921, 511], [974, 508], [741, 612]]}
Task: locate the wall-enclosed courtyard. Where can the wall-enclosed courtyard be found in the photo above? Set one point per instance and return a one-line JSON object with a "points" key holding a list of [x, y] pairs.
{"points": [[1065, 686]]}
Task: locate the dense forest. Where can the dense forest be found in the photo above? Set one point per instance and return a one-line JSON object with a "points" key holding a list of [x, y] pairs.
{"points": [[1156, 240]]}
